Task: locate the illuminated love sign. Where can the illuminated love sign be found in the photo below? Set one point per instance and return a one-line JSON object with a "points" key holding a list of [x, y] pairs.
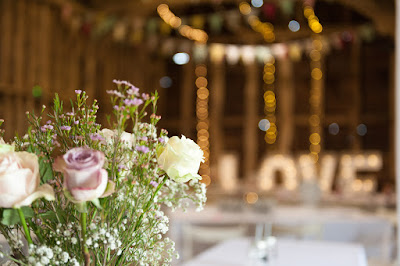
{"points": [[293, 171]]}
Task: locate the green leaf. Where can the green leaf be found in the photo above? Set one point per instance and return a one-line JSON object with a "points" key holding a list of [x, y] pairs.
{"points": [[45, 169], [50, 215], [96, 203], [11, 216]]}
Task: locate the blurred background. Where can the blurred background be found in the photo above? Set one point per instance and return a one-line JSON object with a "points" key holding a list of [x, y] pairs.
{"points": [[291, 101]]}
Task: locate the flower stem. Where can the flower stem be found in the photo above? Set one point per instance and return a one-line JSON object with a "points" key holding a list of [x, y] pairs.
{"points": [[85, 249], [26, 230]]}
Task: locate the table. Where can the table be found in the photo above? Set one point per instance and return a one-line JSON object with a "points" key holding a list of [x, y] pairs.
{"points": [[341, 224], [290, 253]]}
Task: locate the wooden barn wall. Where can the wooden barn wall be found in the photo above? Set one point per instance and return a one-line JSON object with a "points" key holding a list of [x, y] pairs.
{"points": [[38, 48]]}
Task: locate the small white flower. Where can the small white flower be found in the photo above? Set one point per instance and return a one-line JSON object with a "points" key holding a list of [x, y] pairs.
{"points": [[74, 240], [44, 260], [64, 257]]}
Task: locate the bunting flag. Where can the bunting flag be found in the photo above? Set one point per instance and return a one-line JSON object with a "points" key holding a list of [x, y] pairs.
{"points": [[124, 29]]}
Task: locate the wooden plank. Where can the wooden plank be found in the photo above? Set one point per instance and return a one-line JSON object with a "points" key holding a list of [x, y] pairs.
{"points": [[6, 63], [89, 78], [31, 52], [19, 62], [44, 52]]}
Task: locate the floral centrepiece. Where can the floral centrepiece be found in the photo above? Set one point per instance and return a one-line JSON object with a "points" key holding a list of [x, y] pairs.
{"points": [[83, 194]]}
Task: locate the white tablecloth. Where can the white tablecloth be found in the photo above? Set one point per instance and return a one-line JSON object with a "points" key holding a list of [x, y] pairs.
{"points": [[289, 253], [337, 224]]}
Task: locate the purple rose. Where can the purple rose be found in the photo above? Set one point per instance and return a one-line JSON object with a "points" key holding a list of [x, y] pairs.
{"points": [[84, 176]]}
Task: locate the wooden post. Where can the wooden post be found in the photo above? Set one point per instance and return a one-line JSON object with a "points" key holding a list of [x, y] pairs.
{"points": [[217, 96], [285, 101], [397, 123], [187, 103], [355, 87], [250, 119]]}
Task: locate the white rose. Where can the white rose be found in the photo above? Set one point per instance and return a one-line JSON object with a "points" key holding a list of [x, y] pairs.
{"points": [[180, 159], [19, 180], [127, 139]]}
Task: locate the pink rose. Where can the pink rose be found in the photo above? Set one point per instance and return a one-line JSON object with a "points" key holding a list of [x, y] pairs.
{"points": [[19, 180], [84, 176]]}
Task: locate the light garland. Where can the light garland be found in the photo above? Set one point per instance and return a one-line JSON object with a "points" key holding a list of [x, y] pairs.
{"points": [[175, 22], [270, 100], [316, 84], [313, 21], [265, 28], [202, 127]]}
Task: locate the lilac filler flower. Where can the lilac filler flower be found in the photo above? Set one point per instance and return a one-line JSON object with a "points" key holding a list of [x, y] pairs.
{"points": [[143, 149], [135, 102], [145, 96], [78, 91], [96, 136], [154, 183], [133, 91], [118, 82], [46, 127], [67, 128], [144, 138], [122, 167]]}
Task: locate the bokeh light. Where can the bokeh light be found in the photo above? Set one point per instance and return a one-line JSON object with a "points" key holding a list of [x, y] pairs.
{"points": [[294, 26], [165, 82], [362, 129], [264, 124], [257, 3], [181, 58], [333, 129]]}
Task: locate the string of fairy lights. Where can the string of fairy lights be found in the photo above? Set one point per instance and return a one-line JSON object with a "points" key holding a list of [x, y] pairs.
{"points": [[175, 22], [203, 120], [265, 28], [270, 100], [316, 90], [199, 36]]}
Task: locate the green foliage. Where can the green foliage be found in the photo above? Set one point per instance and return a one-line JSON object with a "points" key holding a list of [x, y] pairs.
{"points": [[11, 216]]}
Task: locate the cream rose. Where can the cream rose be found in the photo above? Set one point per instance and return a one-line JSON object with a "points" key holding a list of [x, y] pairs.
{"points": [[84, 177], [180, 159], [5, 147], [127, 139], [19, 180]]}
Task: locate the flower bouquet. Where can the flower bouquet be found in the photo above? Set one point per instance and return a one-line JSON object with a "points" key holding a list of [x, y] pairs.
{"points": [[74, 193]]}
